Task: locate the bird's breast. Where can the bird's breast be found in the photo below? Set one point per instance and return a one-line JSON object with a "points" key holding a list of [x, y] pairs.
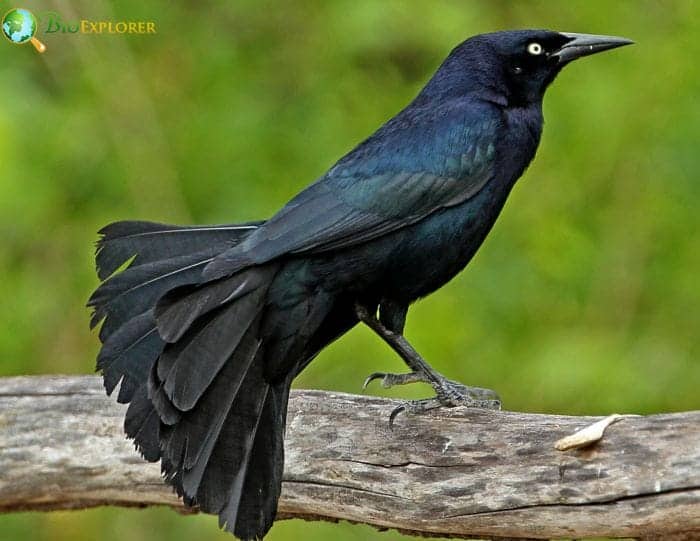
{"points": [[426, 255], [423, 257]]}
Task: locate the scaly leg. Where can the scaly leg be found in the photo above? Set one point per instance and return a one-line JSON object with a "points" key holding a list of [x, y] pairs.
{"points": [[448, 393]]}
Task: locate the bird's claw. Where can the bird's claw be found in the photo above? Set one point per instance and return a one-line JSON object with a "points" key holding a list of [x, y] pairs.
{"points": [[416, 407], [372, 377], [413, 407], [394, 413], [389, 380], [449, 395]]}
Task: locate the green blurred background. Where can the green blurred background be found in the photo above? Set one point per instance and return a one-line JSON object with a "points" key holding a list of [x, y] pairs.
{"points": [[585, 299]]}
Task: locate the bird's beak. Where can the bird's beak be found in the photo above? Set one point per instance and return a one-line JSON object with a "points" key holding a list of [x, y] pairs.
{"points": [[584, 44]]}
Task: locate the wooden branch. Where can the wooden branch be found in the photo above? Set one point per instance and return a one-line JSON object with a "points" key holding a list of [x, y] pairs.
{"points": [[458, 472]]}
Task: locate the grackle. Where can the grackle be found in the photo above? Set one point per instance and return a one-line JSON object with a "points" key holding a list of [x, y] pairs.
{"points": [[208, 325]]}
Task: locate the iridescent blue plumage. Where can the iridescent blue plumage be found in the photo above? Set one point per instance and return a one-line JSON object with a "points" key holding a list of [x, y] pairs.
{"points": [[208, 326]]}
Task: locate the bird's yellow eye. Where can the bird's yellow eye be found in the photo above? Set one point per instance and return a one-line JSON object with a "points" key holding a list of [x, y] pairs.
{"points": [[535, 48]]}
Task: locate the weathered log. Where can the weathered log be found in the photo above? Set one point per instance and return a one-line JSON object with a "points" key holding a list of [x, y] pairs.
{"points": [[456, 472]]}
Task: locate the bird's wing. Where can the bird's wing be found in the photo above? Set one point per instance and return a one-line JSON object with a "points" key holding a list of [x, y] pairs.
{"points": [[396, 178]]}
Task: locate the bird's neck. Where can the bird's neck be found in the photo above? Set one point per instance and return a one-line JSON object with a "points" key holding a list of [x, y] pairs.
{"points": [[521, 138], [526, 119]]}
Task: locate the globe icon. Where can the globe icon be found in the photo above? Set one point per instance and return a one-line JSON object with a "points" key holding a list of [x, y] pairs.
{"points": [[19, 25]]}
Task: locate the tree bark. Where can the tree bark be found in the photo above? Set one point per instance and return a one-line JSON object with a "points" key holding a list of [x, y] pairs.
{"points": [[453, 472]]}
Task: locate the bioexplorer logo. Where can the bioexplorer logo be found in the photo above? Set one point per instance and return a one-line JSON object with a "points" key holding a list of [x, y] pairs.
{"points": [[21, 26]]}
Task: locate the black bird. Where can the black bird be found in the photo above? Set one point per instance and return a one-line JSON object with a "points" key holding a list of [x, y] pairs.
{"points": [[209, 325]]}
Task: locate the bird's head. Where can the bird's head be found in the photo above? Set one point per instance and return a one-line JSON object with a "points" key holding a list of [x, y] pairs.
{"points": [[514, 67]]}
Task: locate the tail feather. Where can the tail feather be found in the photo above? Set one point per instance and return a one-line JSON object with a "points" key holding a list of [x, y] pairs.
{"points": [[168, 413], [142, 424], [162, 256], [209, 469], [138, 288], [198, 455], [150, 241], [195, 366], [225, 451], [125, 302], [128, 353], [192, 428], [179, 308], [188, 355], [249, 412], [164, 369], [208, 445], [263, 481]]}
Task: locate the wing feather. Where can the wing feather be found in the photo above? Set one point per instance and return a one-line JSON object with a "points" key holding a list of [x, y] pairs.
{"points": [[364, 197]]}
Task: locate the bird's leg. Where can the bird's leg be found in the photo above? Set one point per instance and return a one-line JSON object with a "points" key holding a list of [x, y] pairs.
{"points": [[448, 393]]}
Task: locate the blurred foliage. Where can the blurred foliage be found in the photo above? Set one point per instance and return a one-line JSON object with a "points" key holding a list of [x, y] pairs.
{"points": [[585, 298]]}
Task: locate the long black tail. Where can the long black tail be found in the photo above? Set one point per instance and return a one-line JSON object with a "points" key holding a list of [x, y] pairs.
{"points": [[188, 356]]}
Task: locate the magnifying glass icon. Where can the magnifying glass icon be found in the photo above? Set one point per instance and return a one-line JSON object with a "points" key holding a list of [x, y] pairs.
{"points": [[19, 26]]}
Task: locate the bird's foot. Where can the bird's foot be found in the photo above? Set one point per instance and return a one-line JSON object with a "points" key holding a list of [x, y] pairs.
{"points": [[452, 393], [448, 393]]}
